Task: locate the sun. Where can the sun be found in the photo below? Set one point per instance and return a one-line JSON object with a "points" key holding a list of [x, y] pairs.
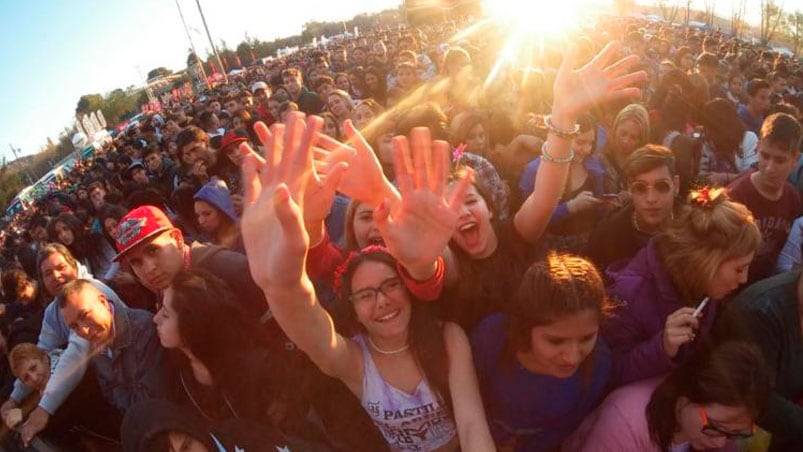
{"points": [[548, 18]]}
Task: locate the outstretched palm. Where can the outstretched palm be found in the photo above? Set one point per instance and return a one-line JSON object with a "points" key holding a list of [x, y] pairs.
{"points": [[272, 223], [417, 229], [597, 82]]}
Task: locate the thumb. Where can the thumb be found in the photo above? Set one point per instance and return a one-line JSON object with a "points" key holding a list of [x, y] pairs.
{"points": [[252, 186], [382, 215], [334, 175], [289, 214]]}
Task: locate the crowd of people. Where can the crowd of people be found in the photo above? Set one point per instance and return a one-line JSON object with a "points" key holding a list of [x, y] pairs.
{"points": [[397, 242]]}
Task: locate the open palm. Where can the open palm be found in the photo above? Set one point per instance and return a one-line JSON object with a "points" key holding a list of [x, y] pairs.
{"points": [[417, 229], [272, 223]]}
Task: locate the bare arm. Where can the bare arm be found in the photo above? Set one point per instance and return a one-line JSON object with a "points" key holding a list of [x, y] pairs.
{"points": [[576, 91], [469, 414], [277, 243]]}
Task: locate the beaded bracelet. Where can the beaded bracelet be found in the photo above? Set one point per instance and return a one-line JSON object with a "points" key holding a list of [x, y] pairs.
{"points": [[565, 134], [548, 158]]}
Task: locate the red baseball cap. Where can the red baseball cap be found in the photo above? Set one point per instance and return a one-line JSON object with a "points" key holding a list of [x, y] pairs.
{"points": [[137, 225], [232, 137]]}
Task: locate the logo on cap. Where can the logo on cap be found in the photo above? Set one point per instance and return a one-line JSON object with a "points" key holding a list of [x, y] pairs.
{"points": [[130, 229]]}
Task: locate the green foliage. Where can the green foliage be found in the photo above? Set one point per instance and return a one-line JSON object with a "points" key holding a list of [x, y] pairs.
{"points": [[159, 72], [89, 103]]}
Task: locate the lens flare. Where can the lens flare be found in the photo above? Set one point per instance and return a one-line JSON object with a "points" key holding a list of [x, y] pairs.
{"points": [[545, 18]]}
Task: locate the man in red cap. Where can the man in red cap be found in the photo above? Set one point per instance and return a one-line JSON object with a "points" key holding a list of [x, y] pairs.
{"points": [[148, 242]]}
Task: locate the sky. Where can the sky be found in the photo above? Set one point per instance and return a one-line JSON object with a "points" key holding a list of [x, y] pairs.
{"points": [[54, 51]]}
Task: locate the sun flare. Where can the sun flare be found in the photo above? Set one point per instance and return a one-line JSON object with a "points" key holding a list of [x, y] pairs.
{"points": [[548, 18]]}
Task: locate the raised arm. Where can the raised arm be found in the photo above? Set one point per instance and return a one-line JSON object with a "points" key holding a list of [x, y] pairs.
{"points": [[276, 244], [576, 91]]}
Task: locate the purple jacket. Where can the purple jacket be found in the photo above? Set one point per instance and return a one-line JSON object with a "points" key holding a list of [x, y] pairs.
{"points": [[635, 331]]}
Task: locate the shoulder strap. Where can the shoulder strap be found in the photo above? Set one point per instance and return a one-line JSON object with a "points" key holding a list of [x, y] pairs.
{"points": [[201, 253]]}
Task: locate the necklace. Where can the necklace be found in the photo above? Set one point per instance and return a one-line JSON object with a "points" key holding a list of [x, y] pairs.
{"points": [[387, 352], [635, 223]]}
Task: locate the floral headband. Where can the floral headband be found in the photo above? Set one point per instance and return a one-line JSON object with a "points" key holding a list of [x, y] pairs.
{"points": [[341, 269]]}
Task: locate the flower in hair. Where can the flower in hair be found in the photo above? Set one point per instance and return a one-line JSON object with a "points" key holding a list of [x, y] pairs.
{"points": [[341, 269], [706, 196], [457, 154]]}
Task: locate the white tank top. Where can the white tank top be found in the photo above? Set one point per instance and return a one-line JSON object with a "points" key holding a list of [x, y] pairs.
{"points": [[409, 422]]}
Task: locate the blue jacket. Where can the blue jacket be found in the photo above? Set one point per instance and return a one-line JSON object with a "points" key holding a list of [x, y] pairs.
{"points": [[635, 331], [132, 367], [596, 173]]}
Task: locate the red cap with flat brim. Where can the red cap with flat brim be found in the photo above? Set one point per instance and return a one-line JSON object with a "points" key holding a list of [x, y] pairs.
{"points": [[137, 226]]}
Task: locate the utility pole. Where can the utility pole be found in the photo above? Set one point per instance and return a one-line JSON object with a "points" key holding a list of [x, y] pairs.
{"points": [[25, 170], [214, 48], [189, 38]]}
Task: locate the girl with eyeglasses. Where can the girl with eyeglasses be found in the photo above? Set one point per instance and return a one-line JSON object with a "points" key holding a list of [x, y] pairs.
{"points": [[671, 290], [706, 404], [412, 373]]}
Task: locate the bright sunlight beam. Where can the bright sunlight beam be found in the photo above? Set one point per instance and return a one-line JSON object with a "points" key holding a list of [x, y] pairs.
{"points": [[549, 18]]}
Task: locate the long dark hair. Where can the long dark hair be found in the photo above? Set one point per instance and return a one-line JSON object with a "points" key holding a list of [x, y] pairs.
{"points": [[732, 374], [213, 326], [425, 330], [85, 245]]}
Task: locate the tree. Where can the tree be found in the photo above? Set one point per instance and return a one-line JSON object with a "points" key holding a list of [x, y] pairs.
{"points": [[771, 16], [159, 72], [669, 12], [795, 23], [88, 103], [737, 17], [710, 5]]}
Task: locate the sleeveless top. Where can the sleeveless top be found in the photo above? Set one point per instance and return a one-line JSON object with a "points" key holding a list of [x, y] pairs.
{"points": [[409, 422]]}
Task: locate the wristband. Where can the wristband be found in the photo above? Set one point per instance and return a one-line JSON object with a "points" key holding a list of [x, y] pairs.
{"points": [[565, 134], [545, 156]]}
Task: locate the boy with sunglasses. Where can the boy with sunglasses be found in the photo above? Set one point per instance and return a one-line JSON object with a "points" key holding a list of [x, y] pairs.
{"points": [[773, 201], [653, 185]]}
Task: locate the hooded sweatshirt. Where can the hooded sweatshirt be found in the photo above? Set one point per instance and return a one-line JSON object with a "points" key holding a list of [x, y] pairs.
{"points": [[149, 419]]}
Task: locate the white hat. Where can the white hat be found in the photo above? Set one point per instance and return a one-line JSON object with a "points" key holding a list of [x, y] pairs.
{"points": [[258, 86]]}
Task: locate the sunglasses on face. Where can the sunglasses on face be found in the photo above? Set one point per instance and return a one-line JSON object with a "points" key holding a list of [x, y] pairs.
{"points": [[713, 431], [642, 188]]}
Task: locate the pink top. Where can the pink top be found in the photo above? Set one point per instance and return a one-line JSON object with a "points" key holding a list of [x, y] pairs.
{"points": [[620, 424]]}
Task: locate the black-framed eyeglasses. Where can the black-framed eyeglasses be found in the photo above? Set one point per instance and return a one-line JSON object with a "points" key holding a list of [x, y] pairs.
{"points": [[387, 288], [713, 431]]}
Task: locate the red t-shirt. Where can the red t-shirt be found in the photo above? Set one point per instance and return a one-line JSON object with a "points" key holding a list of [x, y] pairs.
{"points": [[773, 218]]}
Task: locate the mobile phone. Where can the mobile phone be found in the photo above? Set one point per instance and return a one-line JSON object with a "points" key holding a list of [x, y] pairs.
{"points": [[609, 197]]}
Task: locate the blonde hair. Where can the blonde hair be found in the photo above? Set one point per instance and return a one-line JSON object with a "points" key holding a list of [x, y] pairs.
{"points": [[22, 352], [638, 114], [703, 235]]}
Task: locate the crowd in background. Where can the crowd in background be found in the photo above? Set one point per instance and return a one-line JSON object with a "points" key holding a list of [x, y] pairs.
{"points": [[392, 242]]}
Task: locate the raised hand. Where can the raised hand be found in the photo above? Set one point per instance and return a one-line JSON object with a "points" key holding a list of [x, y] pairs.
{"points": [[272, 223], [599, 81], [364, 180], [417, 229], [324, 175]]}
